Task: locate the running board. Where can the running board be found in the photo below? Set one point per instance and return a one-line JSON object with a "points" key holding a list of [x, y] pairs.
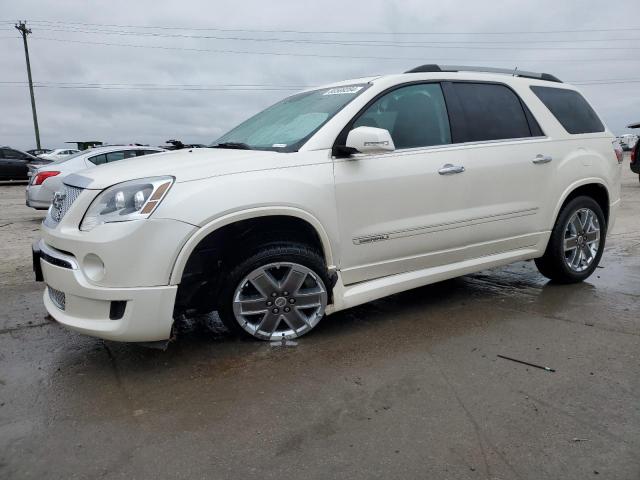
{"points": [[363, 292]]}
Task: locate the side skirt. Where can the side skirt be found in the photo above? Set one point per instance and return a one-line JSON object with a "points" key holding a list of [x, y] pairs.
{"points": [[367, 291]]}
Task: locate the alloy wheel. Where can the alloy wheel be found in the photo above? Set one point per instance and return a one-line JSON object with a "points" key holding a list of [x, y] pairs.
{"points": [[581, 239], [280, 300]]}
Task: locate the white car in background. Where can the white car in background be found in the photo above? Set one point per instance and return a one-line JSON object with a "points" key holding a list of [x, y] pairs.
{"points": [[48, 179], [59, 154]]}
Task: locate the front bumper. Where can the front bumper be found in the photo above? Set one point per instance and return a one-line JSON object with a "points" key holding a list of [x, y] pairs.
{"points": [[143, 314]]}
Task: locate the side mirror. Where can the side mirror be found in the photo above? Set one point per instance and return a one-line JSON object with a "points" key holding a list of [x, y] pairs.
{"points": [[370, 140]]}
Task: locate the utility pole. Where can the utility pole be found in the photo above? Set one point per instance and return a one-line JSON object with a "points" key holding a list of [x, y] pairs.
{"points": [[22, 28]]}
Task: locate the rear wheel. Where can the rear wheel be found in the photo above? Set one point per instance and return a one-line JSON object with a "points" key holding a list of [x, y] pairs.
{"points": [[576, 243], [280, 291]]}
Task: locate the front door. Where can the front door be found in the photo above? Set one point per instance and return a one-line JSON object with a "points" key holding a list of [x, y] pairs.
{"points": [[390, 205]]}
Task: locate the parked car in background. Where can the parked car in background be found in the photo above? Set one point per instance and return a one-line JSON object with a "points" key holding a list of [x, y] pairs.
{"points": [[35, 152], [59, 153], [334, 197], [14, 164], [635, 153], [628, 141], [178, 145], [46, 180]]}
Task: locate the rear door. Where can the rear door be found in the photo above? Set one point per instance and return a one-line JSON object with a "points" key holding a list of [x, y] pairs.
{"points": [[509, 165]]}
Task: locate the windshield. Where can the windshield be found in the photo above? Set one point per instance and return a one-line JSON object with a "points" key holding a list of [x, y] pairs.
{"points": [[285, 126]]}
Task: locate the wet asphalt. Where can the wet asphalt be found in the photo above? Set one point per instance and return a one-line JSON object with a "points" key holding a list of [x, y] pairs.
{"points": [[405, 387]]}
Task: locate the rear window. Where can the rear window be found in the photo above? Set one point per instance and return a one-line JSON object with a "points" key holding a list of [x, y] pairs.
{"points": [[489, 112], [570, 109]]}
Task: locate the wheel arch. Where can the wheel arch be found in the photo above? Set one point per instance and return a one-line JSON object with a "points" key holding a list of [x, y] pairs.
{"points": [[254, 213], [595, 188]]}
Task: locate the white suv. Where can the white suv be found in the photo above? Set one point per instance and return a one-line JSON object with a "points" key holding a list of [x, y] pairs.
{"points": [[334, 197]]}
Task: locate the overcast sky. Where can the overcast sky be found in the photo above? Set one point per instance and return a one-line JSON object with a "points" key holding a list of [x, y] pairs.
{"points": [[182, 84]]}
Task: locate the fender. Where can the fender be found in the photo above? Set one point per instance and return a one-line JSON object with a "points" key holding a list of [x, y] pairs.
{"points": [[201, 233], [571, 188]]}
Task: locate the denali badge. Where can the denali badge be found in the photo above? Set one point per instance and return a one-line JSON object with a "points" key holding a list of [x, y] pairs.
{"points": [[57, 202]]}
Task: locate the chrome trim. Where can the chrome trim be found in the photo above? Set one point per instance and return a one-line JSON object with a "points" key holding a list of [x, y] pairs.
{"points": [[60, 205], [541, 159], [439, 227], [55, 253], [58, 298], [449, 169]]}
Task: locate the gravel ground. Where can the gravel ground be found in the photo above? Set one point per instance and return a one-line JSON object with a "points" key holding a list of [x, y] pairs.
{"points": [[405, 387]]}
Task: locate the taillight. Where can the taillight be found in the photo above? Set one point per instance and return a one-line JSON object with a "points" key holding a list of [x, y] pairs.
{"points": [[42, 176], [619, 153], [634, 153]]}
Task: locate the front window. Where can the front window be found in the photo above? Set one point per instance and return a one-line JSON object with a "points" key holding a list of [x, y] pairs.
{"points": [[414, 115], [288, 124]]}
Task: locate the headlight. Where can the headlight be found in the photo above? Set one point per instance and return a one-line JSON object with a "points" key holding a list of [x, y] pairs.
{"points": [[126, 201]]}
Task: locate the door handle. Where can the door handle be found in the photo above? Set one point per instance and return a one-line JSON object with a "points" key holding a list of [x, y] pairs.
{"points": [[542, 159], [448, 169]]}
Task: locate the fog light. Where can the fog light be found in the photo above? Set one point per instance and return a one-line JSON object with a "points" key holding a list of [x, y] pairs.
{"points": [[93, 267]]}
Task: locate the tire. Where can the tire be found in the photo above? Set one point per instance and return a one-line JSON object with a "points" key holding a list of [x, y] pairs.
{"points": [[254, 300], [564, 263]]}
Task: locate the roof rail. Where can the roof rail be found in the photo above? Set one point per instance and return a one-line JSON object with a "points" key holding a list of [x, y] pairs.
{"points": [[462, 68]]}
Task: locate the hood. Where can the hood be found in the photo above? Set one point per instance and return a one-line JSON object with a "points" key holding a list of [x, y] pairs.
{"points": [[185, 165]]}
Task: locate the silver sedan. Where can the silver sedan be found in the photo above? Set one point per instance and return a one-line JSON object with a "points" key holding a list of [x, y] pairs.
{"points": [[46, 180]]}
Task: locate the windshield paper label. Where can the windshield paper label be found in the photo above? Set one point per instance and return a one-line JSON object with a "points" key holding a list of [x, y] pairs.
{"points": [[342, 90]]}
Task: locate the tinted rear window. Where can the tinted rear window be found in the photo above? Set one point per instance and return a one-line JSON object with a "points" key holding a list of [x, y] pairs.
{"points": [[490, 112], [570, 109]]}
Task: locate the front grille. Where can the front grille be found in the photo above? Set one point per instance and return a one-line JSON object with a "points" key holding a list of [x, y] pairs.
{"points": [[57, 297], [62, 201]]}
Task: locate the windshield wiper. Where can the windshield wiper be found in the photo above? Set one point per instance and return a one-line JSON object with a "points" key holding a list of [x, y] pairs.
{"points": [[233, 145]]}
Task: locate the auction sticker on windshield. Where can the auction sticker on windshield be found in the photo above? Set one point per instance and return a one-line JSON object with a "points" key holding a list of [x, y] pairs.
{"points": [[342, 90]]}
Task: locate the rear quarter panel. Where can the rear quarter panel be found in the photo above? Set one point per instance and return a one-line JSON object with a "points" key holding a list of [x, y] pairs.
{"points": [[577, 159]]}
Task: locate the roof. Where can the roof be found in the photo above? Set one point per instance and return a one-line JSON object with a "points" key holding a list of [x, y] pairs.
{"points": [[515, 72], [462, 72]]}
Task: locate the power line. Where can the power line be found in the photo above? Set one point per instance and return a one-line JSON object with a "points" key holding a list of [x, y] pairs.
{"points": [[363, 43], [360, 43], [162, 84], [231, 87], [613, 82], [315, 32], [312, 55]]}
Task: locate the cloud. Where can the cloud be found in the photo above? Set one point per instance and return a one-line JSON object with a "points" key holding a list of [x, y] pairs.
{"points": [[153, 116]]}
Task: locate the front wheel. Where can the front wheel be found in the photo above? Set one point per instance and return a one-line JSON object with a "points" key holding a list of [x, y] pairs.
{"points": [[576, 243], [279, 292]]}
